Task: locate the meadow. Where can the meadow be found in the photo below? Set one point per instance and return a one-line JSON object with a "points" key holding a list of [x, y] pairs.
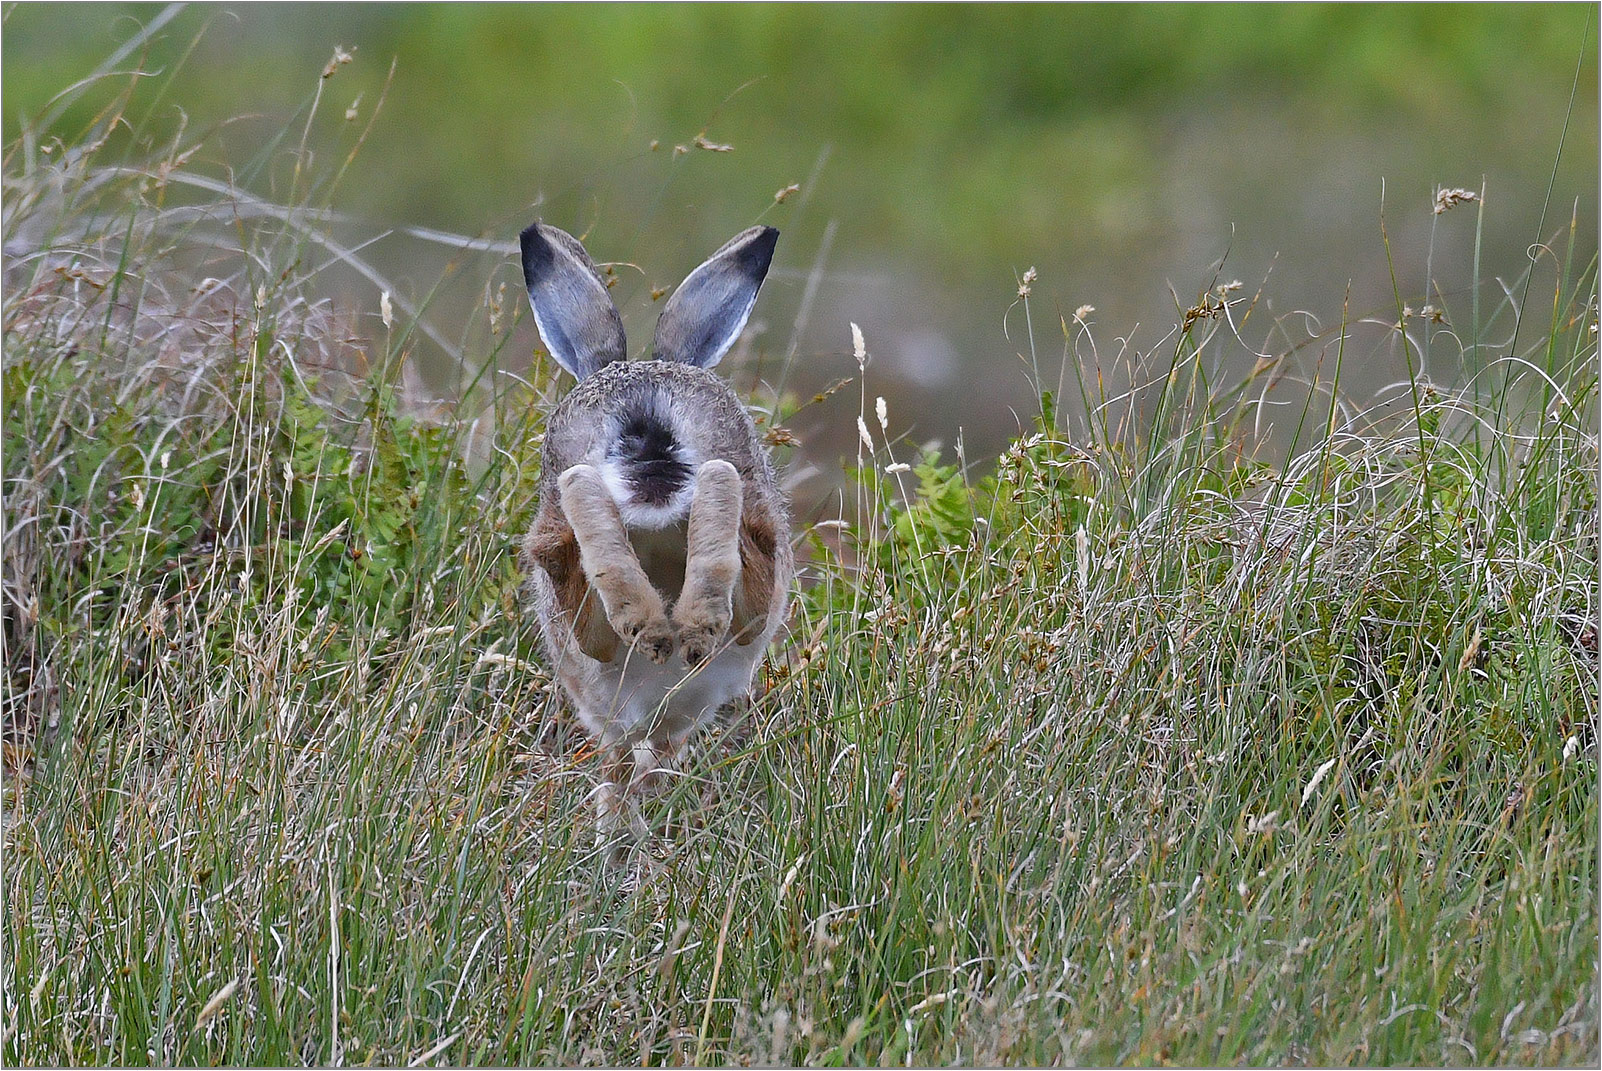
{"points": [[1139, 743]]}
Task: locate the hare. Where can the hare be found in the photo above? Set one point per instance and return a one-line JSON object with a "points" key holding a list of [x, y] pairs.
{"points": [[659, 560]]}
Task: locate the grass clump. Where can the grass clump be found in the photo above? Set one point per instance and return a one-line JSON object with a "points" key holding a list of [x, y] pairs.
{"points": [[1140, 747]]}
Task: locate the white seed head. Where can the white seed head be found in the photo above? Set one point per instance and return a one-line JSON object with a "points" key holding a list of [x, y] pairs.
{"points": [[1263, 825], [1316, 780], [789, 878], [1082, 557], [1025, 287], [341, 57], [218, 999]]}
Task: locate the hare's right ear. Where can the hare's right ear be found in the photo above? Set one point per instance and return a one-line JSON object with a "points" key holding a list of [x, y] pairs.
{"points": [[707, 312], [575, 314]]}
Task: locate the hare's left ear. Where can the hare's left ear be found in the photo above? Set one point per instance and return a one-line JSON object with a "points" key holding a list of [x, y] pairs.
{"points": [[706, 313], [572, 309]]}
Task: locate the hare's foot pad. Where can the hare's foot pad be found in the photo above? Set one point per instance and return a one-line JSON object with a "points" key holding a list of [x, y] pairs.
{"points": [[703, 623], [645, 629], [698, 642], [656, 640]]}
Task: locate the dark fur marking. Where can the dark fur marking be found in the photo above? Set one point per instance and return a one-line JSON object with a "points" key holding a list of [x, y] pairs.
{"points": [[649, 453]]}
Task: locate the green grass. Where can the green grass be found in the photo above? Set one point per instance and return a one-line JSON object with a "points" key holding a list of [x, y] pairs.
{"points": [[1170, 736]]}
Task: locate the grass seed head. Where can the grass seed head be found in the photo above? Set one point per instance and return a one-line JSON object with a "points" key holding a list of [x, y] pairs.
{"points": [[1448, 199]]}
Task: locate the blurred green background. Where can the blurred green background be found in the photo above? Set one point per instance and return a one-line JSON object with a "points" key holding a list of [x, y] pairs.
{"points": [[941, 151]]}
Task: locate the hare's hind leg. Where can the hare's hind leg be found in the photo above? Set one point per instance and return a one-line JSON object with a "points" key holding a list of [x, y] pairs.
{"points": [[632, 771], [712, 562], [618, 821], [632, 605]]}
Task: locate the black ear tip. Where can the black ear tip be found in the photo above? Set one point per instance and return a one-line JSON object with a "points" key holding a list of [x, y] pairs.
{"points": [[533, 236], [758, 252], [537, 253]]}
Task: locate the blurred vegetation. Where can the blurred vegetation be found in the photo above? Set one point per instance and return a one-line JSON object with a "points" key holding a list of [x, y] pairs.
{"points": [[939, 115], [941, 150]]}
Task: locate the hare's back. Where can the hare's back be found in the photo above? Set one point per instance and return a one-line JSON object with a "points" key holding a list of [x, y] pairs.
{"points": [[656, 408]]}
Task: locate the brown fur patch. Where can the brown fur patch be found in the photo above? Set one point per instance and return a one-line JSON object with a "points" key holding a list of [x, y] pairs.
{"points": [[753, 596]]}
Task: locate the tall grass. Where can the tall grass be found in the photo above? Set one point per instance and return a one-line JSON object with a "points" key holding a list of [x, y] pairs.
{"points": [[1241, 721]]}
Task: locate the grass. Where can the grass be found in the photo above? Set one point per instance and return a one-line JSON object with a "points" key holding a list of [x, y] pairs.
{"points": [[1222, 720]]}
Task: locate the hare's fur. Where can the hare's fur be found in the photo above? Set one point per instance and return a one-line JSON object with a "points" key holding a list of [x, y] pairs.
{"points": [[659, 560]]}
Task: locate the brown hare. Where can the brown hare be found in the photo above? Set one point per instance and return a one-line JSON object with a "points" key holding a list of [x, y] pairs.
{"points": [[660, 559]]}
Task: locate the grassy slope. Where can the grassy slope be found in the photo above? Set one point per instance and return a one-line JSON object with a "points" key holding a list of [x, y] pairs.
{"points": [[1137, 750]]}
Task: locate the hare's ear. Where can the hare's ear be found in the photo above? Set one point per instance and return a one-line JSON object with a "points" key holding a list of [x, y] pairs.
{"points": [[576, 317], [706, 313]]}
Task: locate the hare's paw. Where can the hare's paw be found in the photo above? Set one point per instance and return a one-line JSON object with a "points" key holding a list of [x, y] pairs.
{"points": [[697, 644], [656, 640], [645, 629], [701, 629]]}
